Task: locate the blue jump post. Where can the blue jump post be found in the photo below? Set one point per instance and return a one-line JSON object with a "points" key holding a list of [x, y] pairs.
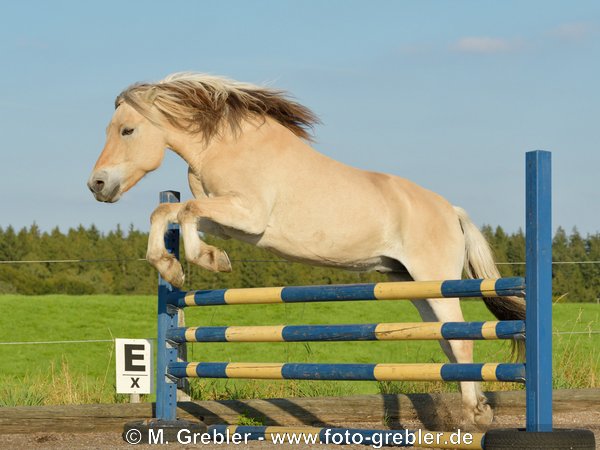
{"points": [[538, 382], [539, 432], [166, 387], [164, 426]]}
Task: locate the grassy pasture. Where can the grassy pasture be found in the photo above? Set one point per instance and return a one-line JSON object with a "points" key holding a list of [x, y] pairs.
{"points": [[84, 373]]}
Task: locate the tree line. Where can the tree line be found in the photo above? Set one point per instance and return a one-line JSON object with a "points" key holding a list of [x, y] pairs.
{"points": [[109, 263]]}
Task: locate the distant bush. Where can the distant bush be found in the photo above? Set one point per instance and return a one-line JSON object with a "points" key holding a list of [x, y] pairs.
{"points": [[68, 284], [113, 266]]}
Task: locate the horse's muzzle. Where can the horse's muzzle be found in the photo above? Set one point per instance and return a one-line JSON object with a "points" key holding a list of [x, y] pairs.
{"points": [[103, 188]]}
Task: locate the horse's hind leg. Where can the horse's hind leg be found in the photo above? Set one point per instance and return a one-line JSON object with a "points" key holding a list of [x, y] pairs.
{"points": [[475, 407]]}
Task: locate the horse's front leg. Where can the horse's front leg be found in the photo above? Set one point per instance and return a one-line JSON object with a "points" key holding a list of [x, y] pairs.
{"points": [[167, 265], [227, 211]]}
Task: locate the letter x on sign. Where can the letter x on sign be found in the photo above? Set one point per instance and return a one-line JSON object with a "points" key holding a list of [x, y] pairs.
{"points": [[134, 382]]}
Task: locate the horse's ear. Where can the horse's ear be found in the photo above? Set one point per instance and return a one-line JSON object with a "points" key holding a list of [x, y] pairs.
{"points": [[150, 95]]}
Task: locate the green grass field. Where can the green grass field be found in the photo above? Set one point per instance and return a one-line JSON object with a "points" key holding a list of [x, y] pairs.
{"points": [[84, 373]]}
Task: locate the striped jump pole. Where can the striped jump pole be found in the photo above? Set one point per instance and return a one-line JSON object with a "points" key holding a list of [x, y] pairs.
{"points": [[514, 286], [509, 329], [370, 372]]}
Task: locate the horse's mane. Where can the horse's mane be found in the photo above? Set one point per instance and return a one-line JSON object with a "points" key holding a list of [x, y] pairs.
{"points": [[200, 103]]}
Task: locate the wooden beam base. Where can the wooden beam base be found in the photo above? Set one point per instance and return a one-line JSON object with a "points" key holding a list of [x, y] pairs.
{"points": [[431, 410]]}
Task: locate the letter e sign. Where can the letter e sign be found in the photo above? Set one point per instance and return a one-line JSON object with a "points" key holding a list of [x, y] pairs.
{"points": [[134, 366]]}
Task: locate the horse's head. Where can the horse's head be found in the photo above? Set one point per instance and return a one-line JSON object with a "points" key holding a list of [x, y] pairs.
{"points": [[134, 146], [150, 117]]}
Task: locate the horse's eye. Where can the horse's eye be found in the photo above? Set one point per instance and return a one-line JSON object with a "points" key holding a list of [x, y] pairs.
{"points": [[126, 131]]}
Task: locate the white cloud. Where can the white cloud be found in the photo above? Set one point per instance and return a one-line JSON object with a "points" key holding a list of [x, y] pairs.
{"points": [[484, 44], [574, 31]]}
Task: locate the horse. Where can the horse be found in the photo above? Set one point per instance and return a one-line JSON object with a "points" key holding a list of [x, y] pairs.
{"points": [[255, 177]]}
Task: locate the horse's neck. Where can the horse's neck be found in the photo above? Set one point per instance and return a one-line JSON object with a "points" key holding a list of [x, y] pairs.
{"points": [[260, 136], [193, 149]]}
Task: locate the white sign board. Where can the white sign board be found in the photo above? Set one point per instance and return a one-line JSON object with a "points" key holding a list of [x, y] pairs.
{"points": [[134, 366]]}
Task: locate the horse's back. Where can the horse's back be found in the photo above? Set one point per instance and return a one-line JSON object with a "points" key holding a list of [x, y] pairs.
{"points": [[322, 211]]}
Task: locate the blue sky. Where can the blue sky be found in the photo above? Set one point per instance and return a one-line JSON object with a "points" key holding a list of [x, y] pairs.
{"points": [[447, 94]]}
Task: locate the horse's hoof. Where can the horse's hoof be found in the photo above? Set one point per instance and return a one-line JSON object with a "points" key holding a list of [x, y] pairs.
{"points": [[483, 415], [176, 279], [477, 419], [169, 268], [223, 262], [213, 259], [173, 273]]}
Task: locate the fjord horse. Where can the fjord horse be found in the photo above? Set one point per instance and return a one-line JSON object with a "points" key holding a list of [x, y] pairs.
{"points": [[255, 178]]}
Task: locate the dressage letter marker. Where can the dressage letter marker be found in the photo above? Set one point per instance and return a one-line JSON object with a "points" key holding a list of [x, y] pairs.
{"points": [[134, 366]]}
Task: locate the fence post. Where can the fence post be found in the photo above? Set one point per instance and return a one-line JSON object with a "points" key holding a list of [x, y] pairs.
{"points": [[538, 291], [166, 388]]}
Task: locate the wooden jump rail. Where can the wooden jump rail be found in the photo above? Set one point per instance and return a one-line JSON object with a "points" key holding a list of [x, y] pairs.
{"points": [[372, 372], [407, 331], [351, 292]]}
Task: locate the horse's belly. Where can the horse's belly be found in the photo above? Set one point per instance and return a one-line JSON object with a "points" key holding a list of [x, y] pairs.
{"points": [[323, 251]]}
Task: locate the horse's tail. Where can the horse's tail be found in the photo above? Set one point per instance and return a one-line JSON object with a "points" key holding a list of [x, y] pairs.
{"points": [[479, 263]]}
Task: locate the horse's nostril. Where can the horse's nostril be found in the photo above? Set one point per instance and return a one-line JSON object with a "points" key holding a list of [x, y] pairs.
{"points": [[98, 185]]}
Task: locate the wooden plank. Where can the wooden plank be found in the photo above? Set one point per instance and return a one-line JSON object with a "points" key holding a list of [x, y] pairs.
{"points": [[394, 409]]}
